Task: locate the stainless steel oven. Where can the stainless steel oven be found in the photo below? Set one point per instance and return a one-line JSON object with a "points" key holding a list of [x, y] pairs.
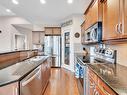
{"points": [[94, 33], [32, 83]]}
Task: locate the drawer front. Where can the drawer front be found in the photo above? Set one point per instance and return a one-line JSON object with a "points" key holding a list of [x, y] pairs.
{"points": [[104, 88], [92, 75]]}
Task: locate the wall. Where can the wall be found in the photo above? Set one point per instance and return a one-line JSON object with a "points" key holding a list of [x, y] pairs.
{"points": [[8, 31], [121, 53], [75, 27], [27, 33]]}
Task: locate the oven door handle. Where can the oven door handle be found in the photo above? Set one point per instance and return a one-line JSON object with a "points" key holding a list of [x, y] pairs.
{"points": [[34, 74]]}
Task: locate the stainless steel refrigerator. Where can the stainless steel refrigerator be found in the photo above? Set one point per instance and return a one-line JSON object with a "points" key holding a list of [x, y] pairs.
{"points": [[52, 46]]}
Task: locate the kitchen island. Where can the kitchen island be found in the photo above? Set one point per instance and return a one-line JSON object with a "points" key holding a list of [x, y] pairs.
{"points": [[12, 76]]}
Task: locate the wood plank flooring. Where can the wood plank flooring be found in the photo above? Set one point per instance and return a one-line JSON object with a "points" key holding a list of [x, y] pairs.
{"points": [[62, 82]]}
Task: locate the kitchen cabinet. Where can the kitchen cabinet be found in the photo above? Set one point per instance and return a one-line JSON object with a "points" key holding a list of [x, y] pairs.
{"points": [[111, 19], [97, 86], [104, 88], [50, 31], [124, 6], [114, 19], [83, 33], [93, 13], [45, 73], [11, 89], [57, 31], [38, 37]]}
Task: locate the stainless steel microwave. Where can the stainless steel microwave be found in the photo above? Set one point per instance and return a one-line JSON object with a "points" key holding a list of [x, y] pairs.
{"points": [[93, 34]]}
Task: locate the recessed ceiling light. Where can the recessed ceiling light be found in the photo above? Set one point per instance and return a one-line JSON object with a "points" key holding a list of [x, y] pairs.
{"points": [[8, 10], [15, 2], [69, 1], [43, 1]]}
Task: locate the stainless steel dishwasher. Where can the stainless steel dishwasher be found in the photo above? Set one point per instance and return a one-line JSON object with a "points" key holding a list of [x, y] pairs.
{"points": [[32, 83]]}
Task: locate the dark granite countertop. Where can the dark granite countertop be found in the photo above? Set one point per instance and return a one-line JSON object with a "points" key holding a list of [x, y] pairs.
{"points": [[13, 51], [115, 76], [19, 70]]}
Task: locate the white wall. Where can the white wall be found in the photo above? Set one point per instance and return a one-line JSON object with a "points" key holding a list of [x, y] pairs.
{"points": [[8, 31], [27, 33], [75, 27], [121, 53]]}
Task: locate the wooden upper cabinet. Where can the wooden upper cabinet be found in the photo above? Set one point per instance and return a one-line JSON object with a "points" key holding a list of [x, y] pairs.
{"points": [[93, 14], [52, 31], [114, 19], [57, 31], [38, 37], [111, 19], [124, 21], [48, 31]]}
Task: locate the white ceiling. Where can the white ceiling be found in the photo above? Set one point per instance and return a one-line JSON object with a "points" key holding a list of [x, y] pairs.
{"points": [[52, 12]]}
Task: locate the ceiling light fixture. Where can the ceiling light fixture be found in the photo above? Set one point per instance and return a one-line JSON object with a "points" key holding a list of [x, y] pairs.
{"points": [[15, 2], [69, 1], [43, 1], [8, 10]]}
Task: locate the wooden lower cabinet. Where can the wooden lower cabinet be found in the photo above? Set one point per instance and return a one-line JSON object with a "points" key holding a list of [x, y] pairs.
{"points": [[11, 89], [104, 88], [45, 73], [97, 86]]}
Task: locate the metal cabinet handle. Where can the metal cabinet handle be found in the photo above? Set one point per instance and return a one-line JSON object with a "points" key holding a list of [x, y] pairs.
{"points": [[116, 28], [120, 28]]}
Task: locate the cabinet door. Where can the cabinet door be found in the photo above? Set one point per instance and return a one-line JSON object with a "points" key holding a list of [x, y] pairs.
{"points": [[110, 19], [94, 12], [57, 31], [48, 31], [82, 33], [88, 19], [11, 89], [36, 37], [42, 35], [124, 24]]}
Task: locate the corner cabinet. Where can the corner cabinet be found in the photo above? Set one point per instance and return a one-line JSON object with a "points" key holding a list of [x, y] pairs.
{"points": [[114, 19]]}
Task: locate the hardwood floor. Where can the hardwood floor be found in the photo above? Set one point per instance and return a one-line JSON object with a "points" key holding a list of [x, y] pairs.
{"points": [[62, 82]]}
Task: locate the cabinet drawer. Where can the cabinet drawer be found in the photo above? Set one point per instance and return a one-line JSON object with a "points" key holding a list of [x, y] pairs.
{"points": [[105, 89]]}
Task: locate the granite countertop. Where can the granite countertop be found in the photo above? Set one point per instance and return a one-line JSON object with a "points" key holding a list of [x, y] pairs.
{"points": [[116, 78], [13, 51], [19, 70], [114, 75]]}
